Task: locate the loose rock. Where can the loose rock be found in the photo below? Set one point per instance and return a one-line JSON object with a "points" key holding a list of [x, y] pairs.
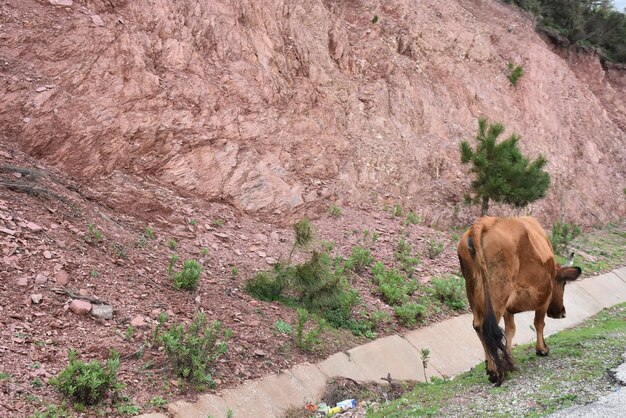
{"points": [[102, 311], [80, 307], [62, 278], [138, 321], [41, 278], [36, 298]]}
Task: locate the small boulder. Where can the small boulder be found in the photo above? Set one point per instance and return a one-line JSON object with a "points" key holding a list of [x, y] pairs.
{"points": [[34, 227], [62, 278], [97, 20], [41, 278], [80, 307], [102, 311], [36, 298], [138, 321]]}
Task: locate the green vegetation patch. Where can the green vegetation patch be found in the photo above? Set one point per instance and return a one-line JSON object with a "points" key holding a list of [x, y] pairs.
{"points": [[600, 250], [575, 373]]}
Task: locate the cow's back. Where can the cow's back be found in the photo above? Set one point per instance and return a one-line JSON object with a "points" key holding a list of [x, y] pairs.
{"points": [[517, 256]]}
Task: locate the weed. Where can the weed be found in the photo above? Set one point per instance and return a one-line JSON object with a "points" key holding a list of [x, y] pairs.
{"points": [[434, 248], [193, 222], [409, 313], [374, 237], [306, 341], [398, 211], [88, 383], [303, 231], [54, 411], [283, 327], [37, 383], [4, 376], [425, 356], [130, 331], [128, 409], [515, 72], [403, 254], [119, 250], [412, 219], [328, 246], [335, 211], [392, 285], [450, 291], [157, 401], [359, 260], [561, 236], [219, 222], [94, 273], [149, 232], [189, 276], [380, 317], [230, 413], [142, 242], [172, 244], [171, 264], [265, 286], [193, 351], [234, 271], [204, 251], [94, 235]]}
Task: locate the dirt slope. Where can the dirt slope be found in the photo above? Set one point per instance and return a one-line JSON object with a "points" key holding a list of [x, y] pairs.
{"points": [[280, 107]]}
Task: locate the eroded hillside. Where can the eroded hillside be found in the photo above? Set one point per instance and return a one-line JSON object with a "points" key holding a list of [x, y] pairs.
{"points": [[279, 107]]}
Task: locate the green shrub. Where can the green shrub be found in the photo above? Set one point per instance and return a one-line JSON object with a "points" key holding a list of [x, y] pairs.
{"points": [[157, 401], [94, 235], [322, 289], [409, 313], [515, 72], [359, 260], [171, 264], [393, 286], [335, 211], [149, 232], [450, 291], [128, 409], [88, 383], [172, 244], [561, 236], [265, 286], [193, 351], [434, 248], [403, 254], [397, 211], [189, 276], [283, 327], [412, 219], [306, 340]]}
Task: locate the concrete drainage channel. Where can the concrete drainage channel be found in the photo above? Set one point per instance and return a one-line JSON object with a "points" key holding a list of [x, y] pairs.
{"points": [[399, 355]]}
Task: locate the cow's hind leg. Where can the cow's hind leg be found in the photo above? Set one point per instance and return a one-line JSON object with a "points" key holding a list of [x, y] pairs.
{"points": [[509, 330], [541, 347]]}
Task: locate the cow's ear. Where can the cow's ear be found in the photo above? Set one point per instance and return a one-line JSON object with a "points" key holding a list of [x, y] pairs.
{"points": [[568, 274]]}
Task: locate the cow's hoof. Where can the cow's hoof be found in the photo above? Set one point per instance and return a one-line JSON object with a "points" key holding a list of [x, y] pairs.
{"points": [[493, 378], [541, 353]]}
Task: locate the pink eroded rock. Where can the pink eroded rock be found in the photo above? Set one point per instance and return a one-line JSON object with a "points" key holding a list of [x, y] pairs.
{"points": [[80, 307]]}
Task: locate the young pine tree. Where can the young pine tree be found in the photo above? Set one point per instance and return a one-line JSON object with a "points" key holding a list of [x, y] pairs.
{"points": [[502, 173]]}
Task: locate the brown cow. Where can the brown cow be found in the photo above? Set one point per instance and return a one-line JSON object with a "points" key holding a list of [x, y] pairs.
{"points": [[509, 267]]}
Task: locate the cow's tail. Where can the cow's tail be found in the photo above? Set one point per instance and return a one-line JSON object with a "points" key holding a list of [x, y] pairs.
{"points": [[492, 335]]}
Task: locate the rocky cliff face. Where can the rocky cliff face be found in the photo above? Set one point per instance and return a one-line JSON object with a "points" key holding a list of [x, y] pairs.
{"points": [[274, 106]]}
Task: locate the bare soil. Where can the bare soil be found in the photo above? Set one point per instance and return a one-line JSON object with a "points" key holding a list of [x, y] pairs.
{"points": [[44, 232]]}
